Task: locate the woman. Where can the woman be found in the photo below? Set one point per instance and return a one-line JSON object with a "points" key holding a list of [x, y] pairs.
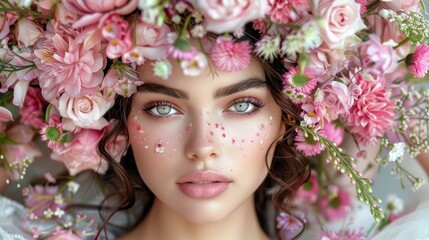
{"points": [[203, 151]]}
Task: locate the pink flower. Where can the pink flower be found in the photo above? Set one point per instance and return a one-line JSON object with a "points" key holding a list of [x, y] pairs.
{"points": [[230, 56], [40, 199], [289, 225], [64, 235], [418, 62], [377, 58], [85, 111], [32, 110], [116, 31], [337, 99], [122, 80], [341, 20], [81, 152], [68, 66], [288, 11], [332, 132], [64, 15], [27, 32], [372, 112], [307, 145], [363, 6], [52, 132], [309, 191], [92, 11], [152, 40], [336, 204], [5, 115], [6, 20], [221, 16], [402, 5], [347, 234], [302, 82]]}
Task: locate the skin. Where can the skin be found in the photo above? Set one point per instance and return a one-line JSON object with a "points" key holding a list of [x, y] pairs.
{"points": [[203, 132]]}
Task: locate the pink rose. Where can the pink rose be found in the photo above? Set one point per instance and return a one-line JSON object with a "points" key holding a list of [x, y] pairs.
{"points": [[337, 99], [81, 152], [5, 115], [27, 32], [92, 10], [151, 40], [402, 5], [65, 235], [377, 58], [85, 111], [32, 110], [228, 16], [341, 20]]}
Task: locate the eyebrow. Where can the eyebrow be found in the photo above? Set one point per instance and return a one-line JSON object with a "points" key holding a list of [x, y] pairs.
{"points": [[246, 84], [159, 88]]}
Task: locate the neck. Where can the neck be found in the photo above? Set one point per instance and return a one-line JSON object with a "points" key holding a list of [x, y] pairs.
{"points": [[162, 223]]}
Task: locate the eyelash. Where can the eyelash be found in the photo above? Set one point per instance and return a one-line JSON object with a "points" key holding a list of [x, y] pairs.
{"points": [[257, 104]]}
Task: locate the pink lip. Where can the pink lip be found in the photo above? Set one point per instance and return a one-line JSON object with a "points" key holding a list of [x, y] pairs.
{"points": [[203, 184]]}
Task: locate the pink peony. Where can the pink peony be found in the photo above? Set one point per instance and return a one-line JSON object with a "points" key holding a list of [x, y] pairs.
{"points": [[336, 204], [302, 82], [81, 152], [377, 58], [341, 20], [5, 115], [68, 66], [32, 110], [337, 99], [40, 198], [309, 191], [221, 16], [418, 62], [371, 115], [230, 56], [348, 234], [288, 11]]}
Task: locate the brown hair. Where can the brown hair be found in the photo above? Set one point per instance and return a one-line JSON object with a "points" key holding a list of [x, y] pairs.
{"points": [[288, 171]]}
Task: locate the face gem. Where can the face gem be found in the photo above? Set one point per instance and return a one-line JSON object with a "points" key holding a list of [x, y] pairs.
{"points": [[159, 147]]}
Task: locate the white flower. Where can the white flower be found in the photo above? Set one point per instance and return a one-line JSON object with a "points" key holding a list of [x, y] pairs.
{"points": [[162, 69], [48, 213], [58, 199], [59, 213], [397, 151], [195, 66], [73, 187], [395, 204], [198, 31], [268, 47], [144, 4], [180, 7]]}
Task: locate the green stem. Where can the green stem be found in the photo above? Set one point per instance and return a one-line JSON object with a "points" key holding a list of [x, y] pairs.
{"points": [[401, 43]]}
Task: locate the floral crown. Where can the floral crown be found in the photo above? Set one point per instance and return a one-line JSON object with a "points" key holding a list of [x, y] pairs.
{"points": [[352, 66]]}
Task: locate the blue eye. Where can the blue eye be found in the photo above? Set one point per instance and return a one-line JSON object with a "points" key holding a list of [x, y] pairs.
{"points": [[161, 109], [245, 105]]}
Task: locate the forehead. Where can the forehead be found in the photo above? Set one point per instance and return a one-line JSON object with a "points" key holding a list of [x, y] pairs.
{"points": [[206, 79]]}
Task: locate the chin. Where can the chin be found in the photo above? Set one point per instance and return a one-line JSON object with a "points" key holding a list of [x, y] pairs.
{"points": [[205, 213]]}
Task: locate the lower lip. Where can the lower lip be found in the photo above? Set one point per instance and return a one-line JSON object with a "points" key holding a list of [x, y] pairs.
{"points": [[203, 191]]}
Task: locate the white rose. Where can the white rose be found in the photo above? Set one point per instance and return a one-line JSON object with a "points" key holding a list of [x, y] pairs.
{"points": [[85, 111]]}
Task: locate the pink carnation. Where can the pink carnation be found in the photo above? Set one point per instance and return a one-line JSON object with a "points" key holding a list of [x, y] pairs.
{"points": [[32, 110], [287, 11], [68, 66], [418, 62], [230, 56], [372, 112], [303, 82]]}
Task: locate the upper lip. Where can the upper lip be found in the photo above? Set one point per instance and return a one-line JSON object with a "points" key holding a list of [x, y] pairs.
{"points": [[206, 176]]}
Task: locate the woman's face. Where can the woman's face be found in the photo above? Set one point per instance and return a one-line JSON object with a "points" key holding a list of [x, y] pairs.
{"points": [[201, 143]]}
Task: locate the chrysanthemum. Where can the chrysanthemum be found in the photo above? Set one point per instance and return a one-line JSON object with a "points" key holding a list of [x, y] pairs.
{"points": [[230, 56], [268, 47], [307, 145], [418, 62], [303, 82]]}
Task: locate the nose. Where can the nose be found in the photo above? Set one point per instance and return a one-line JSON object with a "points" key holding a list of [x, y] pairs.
{"points": [[201, 143]]}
